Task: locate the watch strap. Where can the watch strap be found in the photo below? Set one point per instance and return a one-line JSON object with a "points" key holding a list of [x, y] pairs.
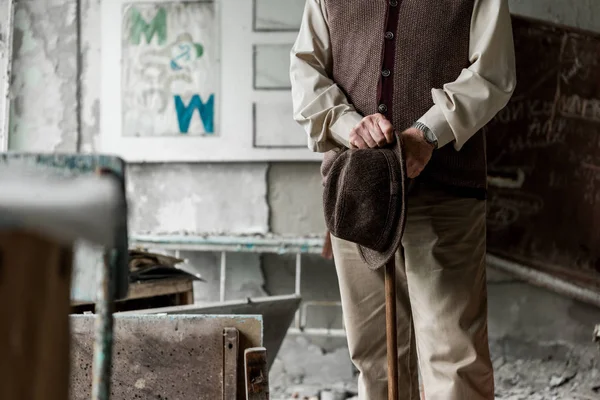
{"points": [[429, 135]]}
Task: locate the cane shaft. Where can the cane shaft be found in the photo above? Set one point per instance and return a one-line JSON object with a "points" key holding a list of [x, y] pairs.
{"points": [[391, 330]]}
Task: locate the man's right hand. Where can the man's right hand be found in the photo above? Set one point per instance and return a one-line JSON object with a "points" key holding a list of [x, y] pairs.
{"points": [[373, 131]]}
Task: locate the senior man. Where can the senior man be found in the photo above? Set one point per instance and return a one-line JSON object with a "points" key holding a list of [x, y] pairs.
{"points": [[430, 73]]}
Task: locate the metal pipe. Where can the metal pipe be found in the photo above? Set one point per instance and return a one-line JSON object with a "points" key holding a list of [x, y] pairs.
{"points": [[223, 276], [104, 322], [79, 78], [298, 273], [5, 128], [544, 280], [318, 332], [246, 244], [298, 284]]}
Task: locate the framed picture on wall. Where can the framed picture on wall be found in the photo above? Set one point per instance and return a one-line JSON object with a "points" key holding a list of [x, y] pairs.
{"points": [[186, 81]]}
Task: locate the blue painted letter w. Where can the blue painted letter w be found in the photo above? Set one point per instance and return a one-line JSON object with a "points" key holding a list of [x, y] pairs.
{"points": [[185, 113]]}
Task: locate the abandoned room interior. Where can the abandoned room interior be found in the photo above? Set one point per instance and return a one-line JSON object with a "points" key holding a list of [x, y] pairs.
{"points": [[169, 230]]}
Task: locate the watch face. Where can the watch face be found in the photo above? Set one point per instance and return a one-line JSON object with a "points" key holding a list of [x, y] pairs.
{"points": [[429, 136]]}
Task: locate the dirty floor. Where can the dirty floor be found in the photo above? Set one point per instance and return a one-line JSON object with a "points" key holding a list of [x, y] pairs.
{"points": [[523, 371]]}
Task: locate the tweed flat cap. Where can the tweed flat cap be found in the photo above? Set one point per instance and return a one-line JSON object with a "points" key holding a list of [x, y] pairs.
{"points": [[364, 199]]}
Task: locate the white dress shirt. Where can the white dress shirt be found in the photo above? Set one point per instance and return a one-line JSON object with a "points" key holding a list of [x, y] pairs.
{"points": [[460, 108]]}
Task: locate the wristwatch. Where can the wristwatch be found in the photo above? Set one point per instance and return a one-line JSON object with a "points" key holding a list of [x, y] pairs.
{"points": [[428, 134]]}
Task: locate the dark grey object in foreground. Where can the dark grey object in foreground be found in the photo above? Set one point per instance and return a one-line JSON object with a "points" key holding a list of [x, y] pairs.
{"points": [[96, 216], [72, 197]]}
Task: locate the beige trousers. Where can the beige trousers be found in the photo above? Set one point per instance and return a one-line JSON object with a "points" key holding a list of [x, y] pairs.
{"points": [[441, 304]]}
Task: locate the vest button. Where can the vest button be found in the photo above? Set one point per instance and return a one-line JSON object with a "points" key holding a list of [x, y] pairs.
{"points": [[393, 3], [382, 108], [386, 73], [389, 35]]}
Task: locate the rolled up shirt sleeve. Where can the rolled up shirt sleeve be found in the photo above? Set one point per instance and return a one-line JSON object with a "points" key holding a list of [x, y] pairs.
{"points": [[463, 107], [319, 105]]}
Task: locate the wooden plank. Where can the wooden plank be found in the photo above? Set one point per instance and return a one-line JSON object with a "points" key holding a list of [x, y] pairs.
{"points": [[162, 356], [544, 156], [186, 298], [163, 287], [277, 312], [159, 288], [35, 277], [257, 374], [230, 363]]}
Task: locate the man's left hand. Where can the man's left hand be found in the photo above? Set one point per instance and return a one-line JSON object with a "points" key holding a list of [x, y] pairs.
{"points": [[417, 151]]}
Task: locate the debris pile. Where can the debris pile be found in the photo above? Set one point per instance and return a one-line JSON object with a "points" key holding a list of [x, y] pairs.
{"points": [[523, 371]]}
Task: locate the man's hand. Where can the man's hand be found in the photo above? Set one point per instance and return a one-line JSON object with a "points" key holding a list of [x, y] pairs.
{"points": [[373, 131], [417, 151]]}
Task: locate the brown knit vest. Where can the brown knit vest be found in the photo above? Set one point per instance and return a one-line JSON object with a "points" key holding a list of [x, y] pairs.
{"points": [[429, 47]]}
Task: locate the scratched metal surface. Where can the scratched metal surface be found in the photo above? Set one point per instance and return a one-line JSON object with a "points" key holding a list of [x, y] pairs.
{"points": [[88, 257], [162, 356], [277, 311], [544, 156]]}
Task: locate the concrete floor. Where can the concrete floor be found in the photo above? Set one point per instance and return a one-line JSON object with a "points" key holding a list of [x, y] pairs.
{"points": [[551, 371], [541, 345]]}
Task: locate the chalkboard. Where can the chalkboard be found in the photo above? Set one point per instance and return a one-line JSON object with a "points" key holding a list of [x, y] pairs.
{"points": [[544, 156]]}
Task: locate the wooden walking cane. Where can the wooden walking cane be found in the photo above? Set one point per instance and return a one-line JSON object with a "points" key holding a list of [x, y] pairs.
{"points": [[390, 329]]}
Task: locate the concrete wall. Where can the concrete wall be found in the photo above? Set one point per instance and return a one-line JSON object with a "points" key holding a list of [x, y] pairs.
{"points": [[44, 107], [56, 46]]}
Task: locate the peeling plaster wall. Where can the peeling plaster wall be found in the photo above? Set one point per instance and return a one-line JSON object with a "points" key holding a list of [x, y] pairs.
{"points": [[168, 198], [214, 198], [211, 198], [89, 55], [5, 64], [295, 198], [44, 117], [208, 198], [44, 103]]}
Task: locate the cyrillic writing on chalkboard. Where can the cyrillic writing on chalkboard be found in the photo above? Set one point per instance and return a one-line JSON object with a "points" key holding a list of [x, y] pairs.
{"points": [[577, 107], [524, 109], [569, 106], [540, 133]]}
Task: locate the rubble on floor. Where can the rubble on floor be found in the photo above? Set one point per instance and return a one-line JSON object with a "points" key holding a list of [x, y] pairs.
{"points": [[545, 371], [308, 369]]}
